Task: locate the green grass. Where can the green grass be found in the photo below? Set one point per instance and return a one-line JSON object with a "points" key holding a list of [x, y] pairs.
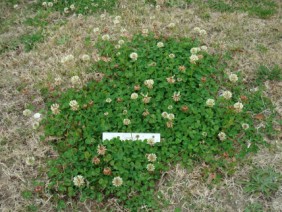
{"points": [[264, 181], [259, 8], [265, 73]]}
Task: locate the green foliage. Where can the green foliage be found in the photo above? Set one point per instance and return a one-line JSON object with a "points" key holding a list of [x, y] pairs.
{"points": [[265, 181], [254, 207], [191, 136], [30, 40], [264, 73], [79, 7], [260, 8], [27, 194]]}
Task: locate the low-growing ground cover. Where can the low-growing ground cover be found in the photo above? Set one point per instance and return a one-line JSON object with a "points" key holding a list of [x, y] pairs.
{"points": [[147, 83]]}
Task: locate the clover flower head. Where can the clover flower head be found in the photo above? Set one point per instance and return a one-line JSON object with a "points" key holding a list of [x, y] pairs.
{"points": [[233, 78], [117, 181], [221, 136], [245, 126], [152, 157], [133, 56], [27, 112], [75, 80], [101, 150], [176, 96], [227, 95], [150, 167], [171, 79], [134, 96], [238, 106], [210, 102], [78, 181], [74, 105], [126, 122], [160, 44], [55, 108], [106, 37], [149, 83]]}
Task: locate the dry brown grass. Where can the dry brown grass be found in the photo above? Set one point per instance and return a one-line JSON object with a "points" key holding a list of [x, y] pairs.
{"points": [[22, 74]]}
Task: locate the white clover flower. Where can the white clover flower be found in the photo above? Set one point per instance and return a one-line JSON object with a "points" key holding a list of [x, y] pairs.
{"points": [[133, 56], [170, 107], [117, 181], [121, 42], [106, 113], [66, 10], [176, 96], [238, 107], [72, 7], [194, 50], [151, 141], [126, 121], [197, 29], [30, 161], [16, 6], [55, 109], [221, 136], [108, 100], [245, 126], [146, 99], [165, 115], [27, 112], [171, 79], [58, 81], [204, 48], [85, 57], [227, 95], [233, 78], [171, 56], [152, 157], [149, 83], [117, 46], [106, 37], [150, 167], [67, 58], [35, 125], [75, 80], [134, 96], [158, 7], [160, 44], [96, 29], [74, 105], [210, 102], [37, 116], [203, 32], [170, 116], [50, 4], [78, 181], [171, 25], [44, 4], [194, 58]]}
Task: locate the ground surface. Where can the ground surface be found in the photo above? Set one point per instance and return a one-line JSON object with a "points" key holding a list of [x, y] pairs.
{"points": [[253, 42]]}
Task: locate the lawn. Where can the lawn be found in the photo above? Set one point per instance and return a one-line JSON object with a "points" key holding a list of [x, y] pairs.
{"points": [[205, 75]]}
